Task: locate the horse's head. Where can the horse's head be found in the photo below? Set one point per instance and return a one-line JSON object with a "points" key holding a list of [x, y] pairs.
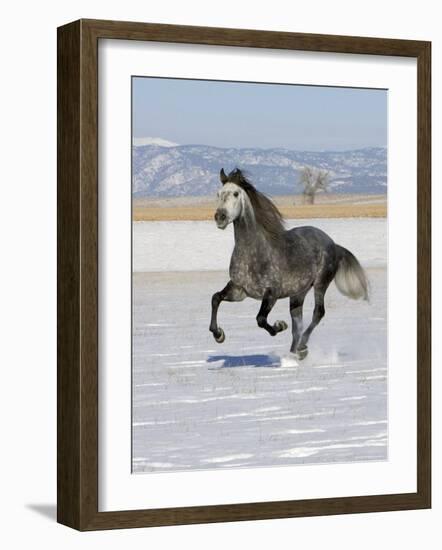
{"points": [[230, 202]]}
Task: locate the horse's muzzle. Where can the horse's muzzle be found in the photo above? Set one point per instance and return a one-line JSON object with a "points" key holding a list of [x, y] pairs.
{"points": [[221, 219]]}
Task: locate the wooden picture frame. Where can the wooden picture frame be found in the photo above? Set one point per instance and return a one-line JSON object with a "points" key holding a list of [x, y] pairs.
{"points": [[77, 461]]}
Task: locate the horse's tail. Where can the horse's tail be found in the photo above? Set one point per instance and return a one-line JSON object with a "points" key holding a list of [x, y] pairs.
{"points": [[350, 278]]}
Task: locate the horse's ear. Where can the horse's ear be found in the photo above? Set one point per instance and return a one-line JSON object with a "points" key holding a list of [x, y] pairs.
{"points": [[223, 177]]}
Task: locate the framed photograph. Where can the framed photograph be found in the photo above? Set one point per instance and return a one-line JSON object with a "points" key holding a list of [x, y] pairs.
{"points": [[243, 274]]}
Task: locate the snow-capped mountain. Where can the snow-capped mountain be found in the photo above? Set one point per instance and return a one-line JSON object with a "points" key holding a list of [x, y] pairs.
{"points": [[179, 170], [139, 141]]}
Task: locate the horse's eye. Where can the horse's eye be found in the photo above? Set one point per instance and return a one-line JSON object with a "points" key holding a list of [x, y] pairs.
{"points": [[235, 194]]}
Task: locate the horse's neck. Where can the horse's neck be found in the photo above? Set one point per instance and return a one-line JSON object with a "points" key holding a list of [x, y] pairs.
{"points": [[248, 237]]}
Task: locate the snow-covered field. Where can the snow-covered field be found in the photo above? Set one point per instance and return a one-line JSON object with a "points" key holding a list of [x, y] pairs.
{"points": [[200, 246], [246, 403]]}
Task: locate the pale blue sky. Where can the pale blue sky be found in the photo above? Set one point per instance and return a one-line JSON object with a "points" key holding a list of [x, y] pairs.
{"points": [[236, 114]]}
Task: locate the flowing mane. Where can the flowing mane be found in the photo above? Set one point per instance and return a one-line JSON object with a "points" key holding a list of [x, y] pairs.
{"points": [[267, 216]]}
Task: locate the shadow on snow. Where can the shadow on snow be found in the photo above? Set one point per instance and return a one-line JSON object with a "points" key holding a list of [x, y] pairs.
{"points": [[256, 360]]}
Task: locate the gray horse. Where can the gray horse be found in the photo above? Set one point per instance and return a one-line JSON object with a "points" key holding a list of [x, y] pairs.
{"points": [[269, 262]]}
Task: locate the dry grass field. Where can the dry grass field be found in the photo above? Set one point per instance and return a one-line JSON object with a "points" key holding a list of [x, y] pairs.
{"points": [[292, 207]]}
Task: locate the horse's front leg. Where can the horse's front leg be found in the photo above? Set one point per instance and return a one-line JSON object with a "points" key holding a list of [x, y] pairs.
{"points": [[230, 293], [268, 301]]}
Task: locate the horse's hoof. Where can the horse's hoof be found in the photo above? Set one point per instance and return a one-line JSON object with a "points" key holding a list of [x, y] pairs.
{"points": [[301, 353], [280, 326], [220, 337]]}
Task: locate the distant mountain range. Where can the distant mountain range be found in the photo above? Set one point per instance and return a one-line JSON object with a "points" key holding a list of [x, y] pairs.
{"points": [[165, 169], [153, 141]]}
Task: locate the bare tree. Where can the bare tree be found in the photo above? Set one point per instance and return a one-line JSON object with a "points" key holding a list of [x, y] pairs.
{"points": [[313, 180]]}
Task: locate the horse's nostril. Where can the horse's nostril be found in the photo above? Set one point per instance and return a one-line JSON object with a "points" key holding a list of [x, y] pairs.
{"points": [[220, 216]]}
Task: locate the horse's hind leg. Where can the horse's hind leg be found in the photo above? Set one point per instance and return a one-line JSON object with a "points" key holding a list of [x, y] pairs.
{"points": [[318, 314], [230, 293], [268, 301], [296, 305]]}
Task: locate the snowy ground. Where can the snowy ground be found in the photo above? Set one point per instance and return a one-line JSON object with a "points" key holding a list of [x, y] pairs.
{"points": [[200, 246], [246, 402]]}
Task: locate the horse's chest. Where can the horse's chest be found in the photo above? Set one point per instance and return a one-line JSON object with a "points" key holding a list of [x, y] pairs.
{"points": [[254, 273]]}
